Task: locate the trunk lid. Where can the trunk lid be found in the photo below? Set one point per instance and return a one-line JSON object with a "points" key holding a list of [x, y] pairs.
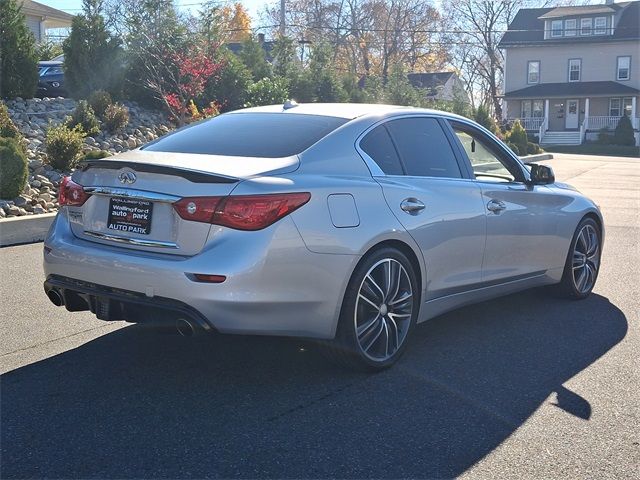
{"points": [[132, 196]]}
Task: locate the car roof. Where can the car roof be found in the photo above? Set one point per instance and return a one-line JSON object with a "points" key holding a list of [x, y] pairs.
{"points": [[348, 111], [49, 63]]}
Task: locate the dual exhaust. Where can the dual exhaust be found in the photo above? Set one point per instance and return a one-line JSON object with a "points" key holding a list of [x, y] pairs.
{"points": [[184, 326]]}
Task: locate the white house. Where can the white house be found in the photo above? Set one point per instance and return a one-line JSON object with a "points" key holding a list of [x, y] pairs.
{"points": [[41, 18]]}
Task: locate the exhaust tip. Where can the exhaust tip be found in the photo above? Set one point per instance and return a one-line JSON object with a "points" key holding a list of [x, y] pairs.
{"points": [[184, 327], [55, 298]]}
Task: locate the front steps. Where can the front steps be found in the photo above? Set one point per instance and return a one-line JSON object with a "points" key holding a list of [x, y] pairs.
{"points": [[560, 138]]}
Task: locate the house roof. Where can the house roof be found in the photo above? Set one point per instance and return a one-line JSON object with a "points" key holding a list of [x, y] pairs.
{"points": [[429, 81], [573, 89], [527, 27], [573, 11], [29, 7]]}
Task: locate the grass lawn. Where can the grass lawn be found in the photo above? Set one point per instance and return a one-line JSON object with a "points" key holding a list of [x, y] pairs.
{"points": [[595, 149]]}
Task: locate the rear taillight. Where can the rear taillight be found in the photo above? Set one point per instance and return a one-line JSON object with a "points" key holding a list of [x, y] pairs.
{"points": [[242, 212], [71, 194]]}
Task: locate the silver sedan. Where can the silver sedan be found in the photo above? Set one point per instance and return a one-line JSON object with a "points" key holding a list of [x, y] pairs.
{"points": [[345, 223]]}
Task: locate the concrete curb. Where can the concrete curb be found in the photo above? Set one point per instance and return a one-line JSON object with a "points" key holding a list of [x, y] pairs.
{"points": [[32, 228], [537, 158]]}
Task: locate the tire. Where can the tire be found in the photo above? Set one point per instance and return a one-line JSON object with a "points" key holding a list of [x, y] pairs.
{"points": [[583, 262], [377, 316]]}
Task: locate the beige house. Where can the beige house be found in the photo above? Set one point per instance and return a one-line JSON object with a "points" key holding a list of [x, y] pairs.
{"points": [[572, 71], [41, 18]]}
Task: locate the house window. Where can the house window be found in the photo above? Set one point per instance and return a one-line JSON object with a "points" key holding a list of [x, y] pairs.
{"points": [[614, 107], [575, 65], [556, 28], [585, 26], [533, 72], [624, 68], [570, 27], [532, 108], [600, 25], [627, 106]]}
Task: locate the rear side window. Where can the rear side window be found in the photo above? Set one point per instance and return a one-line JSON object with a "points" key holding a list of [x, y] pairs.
{"points": [[378, 145], [424, 148], [268, 135]]}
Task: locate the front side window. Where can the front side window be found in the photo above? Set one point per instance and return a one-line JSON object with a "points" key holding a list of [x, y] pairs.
{"points": [[533, 72], [614, 107], [575, 65], [600, 25], [585, 26], [570, 27], [624, 68], [424, 148], [556, 28], [266, 135], [378, 145], [485, 160]]}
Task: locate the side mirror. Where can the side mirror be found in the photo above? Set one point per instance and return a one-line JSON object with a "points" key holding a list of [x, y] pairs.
{"points": [[541, 174]]}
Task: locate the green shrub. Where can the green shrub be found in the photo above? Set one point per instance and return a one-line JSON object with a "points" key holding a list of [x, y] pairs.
{"points": [[116, 117], [268, 91], [604, 137], [533, 148], [95, 155], [64, 146], [484, 118], [84, 117], [624, 132], [514, 148], [18, 56], [13, 168], [7, 128], [99, 101], [518, 137]]}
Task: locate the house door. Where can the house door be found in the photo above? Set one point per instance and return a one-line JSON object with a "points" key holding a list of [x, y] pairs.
{"points": [[571, 117]]}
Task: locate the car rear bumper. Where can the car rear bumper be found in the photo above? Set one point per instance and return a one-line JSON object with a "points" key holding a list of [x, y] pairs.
{"points": [[274, 285]]}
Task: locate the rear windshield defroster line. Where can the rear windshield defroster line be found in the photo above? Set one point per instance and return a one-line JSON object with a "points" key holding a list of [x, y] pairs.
{"points": [[268, 135]]}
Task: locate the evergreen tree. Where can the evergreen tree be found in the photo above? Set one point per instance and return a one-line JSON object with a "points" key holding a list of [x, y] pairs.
{"points": [[398, 90], [18, 56], [327, 85], [624, 132], [484, 118], [254, 58], [92, 56]]}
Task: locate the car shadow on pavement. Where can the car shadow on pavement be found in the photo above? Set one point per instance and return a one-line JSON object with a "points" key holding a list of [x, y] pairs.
{"points": [[137, 404]]}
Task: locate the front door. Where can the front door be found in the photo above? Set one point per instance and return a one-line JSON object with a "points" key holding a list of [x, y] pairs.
{"points": [[571, 117]]}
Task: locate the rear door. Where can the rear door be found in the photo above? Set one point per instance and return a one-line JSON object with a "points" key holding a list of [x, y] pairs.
{"points": [[424, 185]]}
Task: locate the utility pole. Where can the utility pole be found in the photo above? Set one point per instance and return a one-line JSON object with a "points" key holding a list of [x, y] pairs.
{"points": [[283, 29]]}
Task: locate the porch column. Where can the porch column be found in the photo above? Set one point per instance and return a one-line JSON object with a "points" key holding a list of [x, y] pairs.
{"points": [[586, 114], [634, 119], [546, 113]]}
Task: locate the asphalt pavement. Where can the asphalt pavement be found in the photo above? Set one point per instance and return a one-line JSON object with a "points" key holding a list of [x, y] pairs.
{"points": [[527, 386]]}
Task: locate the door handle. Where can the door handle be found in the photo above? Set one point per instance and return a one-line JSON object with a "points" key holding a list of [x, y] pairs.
{"points": [[412, 206], [496, 206]]}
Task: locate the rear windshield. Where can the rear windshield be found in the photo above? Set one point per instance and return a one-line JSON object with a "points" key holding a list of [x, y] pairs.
{"points": [[268, 135]]}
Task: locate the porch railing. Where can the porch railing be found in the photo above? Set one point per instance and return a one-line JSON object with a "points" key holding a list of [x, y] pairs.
{"points": [[529, 123], [600, 122]]}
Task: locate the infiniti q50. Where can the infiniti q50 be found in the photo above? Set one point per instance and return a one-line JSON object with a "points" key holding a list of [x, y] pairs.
{"points": [[345, 223]]}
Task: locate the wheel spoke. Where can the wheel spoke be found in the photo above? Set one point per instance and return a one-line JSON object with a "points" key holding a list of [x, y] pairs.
{"points": [[394, 326], [368, 301], [583, 241], [387, 338], [399, 315], [362, 329], [376, 337], [371, 281], [401, 299]]}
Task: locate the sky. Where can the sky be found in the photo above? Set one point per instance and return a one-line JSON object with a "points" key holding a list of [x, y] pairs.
{"points": [[75, 6]]}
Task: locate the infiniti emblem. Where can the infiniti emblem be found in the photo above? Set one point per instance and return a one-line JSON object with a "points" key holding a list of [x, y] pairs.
{"points": [[127, 177]]}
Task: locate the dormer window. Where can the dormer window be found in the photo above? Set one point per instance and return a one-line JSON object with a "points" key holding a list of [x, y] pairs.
{"points": [[586, 26], [533, 72], [570, 27], [556, 28], [600, 25]]}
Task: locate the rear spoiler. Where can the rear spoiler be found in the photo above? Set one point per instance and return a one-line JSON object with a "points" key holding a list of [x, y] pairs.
{"points": [[193, 176]]}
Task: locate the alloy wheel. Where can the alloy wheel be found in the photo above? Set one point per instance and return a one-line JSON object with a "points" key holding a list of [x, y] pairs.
{"points": [[383, 310], [586, 259]]}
